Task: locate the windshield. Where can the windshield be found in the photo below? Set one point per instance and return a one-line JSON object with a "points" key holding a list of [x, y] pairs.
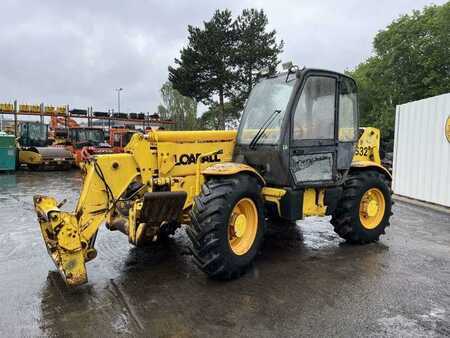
{"points": [[266, 97], [93, 136], [34, 134], [37, 132]]}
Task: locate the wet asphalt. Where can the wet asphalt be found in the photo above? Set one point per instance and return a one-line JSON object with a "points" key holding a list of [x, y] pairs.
{"points": [[305, 282]]}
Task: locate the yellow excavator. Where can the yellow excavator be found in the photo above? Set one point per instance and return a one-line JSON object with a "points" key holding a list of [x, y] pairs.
{"points": [[298, 153]]}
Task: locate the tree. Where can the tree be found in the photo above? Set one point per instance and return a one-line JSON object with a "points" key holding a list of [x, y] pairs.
{"points": [[256, 49], [210, 121], [411, 62], [181, 109], [218, 66], [205, 67], [163, 112]]}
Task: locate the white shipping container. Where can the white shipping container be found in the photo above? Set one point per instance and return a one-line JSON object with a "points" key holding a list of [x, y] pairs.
{"points": [[421, 168]]}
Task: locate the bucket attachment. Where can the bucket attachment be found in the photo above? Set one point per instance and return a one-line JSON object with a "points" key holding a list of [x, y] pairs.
{"points": [[62, 238]]}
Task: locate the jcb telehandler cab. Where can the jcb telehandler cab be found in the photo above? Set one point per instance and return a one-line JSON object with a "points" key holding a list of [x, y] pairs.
{"points": [[298, 152]]}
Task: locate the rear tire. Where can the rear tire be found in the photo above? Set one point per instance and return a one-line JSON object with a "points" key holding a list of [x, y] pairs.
{"points": [[227, 225], [364, 209]]}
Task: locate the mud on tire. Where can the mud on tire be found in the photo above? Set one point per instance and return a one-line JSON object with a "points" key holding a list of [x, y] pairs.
{"points": [[346, 217], [209, 231]]}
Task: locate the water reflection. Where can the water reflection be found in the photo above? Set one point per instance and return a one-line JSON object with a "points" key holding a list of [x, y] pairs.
{"points": [[158, 290], [7, 181]]}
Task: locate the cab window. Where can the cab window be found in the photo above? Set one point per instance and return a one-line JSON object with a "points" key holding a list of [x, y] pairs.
{"points": [[117, 140], [348, 110], [267, 97], [314, 114]]}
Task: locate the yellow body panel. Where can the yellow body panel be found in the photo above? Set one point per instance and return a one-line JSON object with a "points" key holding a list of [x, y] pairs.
{"points": [[313, 202], [274, 195], [370, 164], [193, 136], [29, 157], [367, 151], [231, 168], [368, 146]]}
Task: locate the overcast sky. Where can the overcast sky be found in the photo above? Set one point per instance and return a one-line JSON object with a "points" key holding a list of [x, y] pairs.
{"points": [[77, 52]]}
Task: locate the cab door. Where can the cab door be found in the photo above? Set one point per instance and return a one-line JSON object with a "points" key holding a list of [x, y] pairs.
{"points": [[313, 139], [347, 123]]}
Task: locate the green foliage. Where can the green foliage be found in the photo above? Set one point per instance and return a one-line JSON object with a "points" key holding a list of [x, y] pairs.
{"points": [[205, 67], [210, 119], [181, 109], [256, 50], [411, 62], [216, 66], [163, 112]]}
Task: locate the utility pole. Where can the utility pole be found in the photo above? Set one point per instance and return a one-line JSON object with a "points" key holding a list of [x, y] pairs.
{"points": [[118, 90], [15, 118]]}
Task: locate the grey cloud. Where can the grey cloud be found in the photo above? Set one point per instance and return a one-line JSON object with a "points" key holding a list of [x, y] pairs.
{"points": [[77, 52]]}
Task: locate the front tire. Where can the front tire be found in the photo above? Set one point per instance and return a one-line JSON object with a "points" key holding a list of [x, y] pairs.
{"points": [[227, 225], [364, 209]]}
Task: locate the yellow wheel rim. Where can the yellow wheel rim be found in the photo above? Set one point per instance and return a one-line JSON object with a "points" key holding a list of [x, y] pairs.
{"points": [[242, 226], [371, 208]]}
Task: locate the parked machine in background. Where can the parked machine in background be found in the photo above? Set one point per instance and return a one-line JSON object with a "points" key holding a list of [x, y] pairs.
{"points": [[35, 151], [119, 138], [85, 141], [298, 153], [81, 141]]}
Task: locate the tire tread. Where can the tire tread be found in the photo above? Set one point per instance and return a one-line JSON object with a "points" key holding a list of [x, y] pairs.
{"points": [[208, 215], [343, 217]]}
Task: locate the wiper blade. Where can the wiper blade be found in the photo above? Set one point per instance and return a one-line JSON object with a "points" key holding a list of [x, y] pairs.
{"points": [[263, 128]]}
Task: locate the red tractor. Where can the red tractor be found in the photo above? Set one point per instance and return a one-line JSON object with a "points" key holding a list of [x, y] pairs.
{"points": [[81, 141], [84, 142], [119, 138], [88, 141]]}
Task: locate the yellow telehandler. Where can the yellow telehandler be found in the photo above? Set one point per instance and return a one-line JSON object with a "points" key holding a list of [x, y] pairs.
{"points": [[298, 152]]}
